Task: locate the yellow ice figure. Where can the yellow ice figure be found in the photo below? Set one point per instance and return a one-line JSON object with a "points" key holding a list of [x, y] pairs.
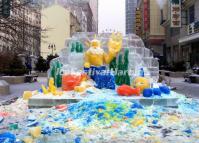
{"points": [[141, 82], [96, 56], [45, 91], [51, 86]]}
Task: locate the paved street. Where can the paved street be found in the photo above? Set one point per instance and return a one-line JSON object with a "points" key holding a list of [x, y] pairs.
{"points": [[18, 89], [189, 89]]}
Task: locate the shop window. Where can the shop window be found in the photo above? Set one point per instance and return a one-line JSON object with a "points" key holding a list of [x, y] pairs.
{"points": [[174, 31]]}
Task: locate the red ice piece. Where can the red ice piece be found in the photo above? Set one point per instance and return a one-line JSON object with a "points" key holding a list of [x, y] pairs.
{"points": [[61, 108], [70, 81], [126, 90]]}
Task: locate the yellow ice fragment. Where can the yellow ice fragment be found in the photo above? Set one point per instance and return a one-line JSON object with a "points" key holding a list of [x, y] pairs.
{"points": [[138, 122], [80, 88], [28, 139], [173, 119], [27, 95], [35, 132], [106, 115]]}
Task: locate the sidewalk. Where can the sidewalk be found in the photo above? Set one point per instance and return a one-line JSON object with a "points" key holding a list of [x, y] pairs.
{"points": [[18, 89]]}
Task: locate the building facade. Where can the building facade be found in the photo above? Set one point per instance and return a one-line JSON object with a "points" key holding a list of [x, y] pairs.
{"points": [[94, 8], [152, 32], [130, 15], [80, 15], [181, 44], [21, 33], [88, 8], [59, 24], [85, 10]]}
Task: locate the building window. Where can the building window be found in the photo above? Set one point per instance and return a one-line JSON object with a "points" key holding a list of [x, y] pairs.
{"points": [[191, 14]]}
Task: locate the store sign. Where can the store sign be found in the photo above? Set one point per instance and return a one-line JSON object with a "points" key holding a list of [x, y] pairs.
{"points": [[193, 28], [138, 22], [146, 15], [175, 13]]}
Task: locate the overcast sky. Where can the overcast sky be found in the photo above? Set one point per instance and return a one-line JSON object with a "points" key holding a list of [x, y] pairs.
{"points": [[112, 15]]}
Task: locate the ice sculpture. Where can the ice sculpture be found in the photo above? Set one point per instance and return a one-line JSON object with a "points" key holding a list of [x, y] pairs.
{"points": [[139, 57]]}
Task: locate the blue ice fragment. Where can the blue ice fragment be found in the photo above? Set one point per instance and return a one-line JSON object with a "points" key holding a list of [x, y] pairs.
{"points": [[155, 115], [131, 114], [165, 89], [101, 107], [32, 124], [92, 113], [118, 110], [155, 122], [188, 131], [147, 133], [46, 130], [89, 92], [89, 119], [31, 111], [1, 119], [7, 137], [61, 129], [137, 105], [77, 140], [100, 115]]}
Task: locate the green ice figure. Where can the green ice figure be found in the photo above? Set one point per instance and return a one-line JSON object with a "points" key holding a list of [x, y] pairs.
{"points": [[55, 72], [119, 70], [122, 76], [113, 65], [126, 64], [77, 47]]}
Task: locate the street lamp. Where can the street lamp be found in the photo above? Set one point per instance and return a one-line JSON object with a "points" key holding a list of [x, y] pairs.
{"points": [[52, 47]]}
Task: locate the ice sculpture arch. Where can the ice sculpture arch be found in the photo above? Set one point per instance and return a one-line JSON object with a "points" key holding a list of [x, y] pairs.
{"points": [[139, 55]]}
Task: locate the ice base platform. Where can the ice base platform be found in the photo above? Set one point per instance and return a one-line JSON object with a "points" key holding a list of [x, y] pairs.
{"points": [[44, 101]]}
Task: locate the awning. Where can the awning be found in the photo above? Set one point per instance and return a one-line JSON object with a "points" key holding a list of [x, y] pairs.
{"points": [[188, 39]]}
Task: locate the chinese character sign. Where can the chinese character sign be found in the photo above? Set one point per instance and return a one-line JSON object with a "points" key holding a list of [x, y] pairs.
{"points": [[138, 22], [175, 13]]}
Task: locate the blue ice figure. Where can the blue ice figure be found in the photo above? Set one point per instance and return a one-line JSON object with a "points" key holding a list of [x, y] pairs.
{"points": [[102, 78], [141, 72], [157, 91], [148, 92]]}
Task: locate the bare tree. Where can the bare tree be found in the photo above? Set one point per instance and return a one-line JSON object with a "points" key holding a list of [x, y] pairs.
{"points": [[18, 31]]}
